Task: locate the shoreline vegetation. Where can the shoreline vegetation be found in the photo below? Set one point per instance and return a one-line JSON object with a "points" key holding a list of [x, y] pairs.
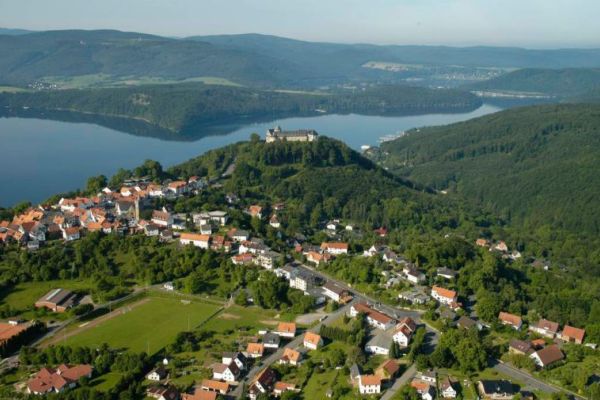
{"points": [[181, 111]]}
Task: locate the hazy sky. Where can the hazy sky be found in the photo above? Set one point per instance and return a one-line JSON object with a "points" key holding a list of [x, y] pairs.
{"points": [[527, 23]]}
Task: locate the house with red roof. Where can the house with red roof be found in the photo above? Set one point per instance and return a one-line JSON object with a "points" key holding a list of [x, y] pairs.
{"points": [[64, 377]]}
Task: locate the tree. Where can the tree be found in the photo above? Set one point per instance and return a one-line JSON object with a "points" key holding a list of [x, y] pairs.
{"points": [[395, 350], [240, 298], [95, 184]]}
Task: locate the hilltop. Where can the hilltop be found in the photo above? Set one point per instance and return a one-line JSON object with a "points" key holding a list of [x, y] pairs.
{"points": [[104, 56], [534, 165], [561, 83]]}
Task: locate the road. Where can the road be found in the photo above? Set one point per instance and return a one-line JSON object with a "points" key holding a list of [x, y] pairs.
{"points": [[528, 380], [403, 380], [294, 344]]}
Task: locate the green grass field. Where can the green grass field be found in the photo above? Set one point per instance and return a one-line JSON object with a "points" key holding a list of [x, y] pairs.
{"points": [[148, 326], [105, 382], [104, 80], [11, 89]]}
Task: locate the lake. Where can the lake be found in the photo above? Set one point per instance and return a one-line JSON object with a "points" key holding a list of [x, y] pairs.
{"points": [[43, 157]]}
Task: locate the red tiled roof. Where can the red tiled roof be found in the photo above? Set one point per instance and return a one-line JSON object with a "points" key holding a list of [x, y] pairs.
{"points": [[573, 333]]}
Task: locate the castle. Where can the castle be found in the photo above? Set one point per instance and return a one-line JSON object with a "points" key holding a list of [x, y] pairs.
{"points": [[303, 135]]}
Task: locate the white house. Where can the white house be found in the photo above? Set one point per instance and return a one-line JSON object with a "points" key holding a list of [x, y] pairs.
{"points": [[379, 344], [162, 218], [198, 240], [444, 296], [447, 389], [334, 248], [402, 336], [369, 384], [335, 292], [312, 341], [227, 373], [375, 318], [236, 357], [157, 374], [413, 275]]}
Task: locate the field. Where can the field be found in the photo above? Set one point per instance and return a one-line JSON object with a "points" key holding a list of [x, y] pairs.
{"points": [[147, 327], [103, 80], [11, 89], [24, 295]]}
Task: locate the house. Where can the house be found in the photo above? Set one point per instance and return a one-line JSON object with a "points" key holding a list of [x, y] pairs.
{"points": [[263, 383], [163, 393], [157, 374], [255, 350], [206, 229], [242, 259], [448, 389], [302, 280], [226, 372], [482, 242], [281, 387], [238, 235], [428, 376], [151, 230], [169, 286], [49, 380], [211, 385], [332, 226], [423, 388], [274, 221], [198, 240], [336, 293], [271, 340], [57, 300], [520, 347], [237, 357], [548, 355], [446, 273], [444, 296], [511, 320], [312, 341], [373, 251], [334, 248], [414, 296], [162, 218], [290, 356], [375, 318], [177, 187], [571, 334], [217, 217], [402, 335], [201, 394], [496, 389], [71, 233], [269, 259], [369, 384], [413, 275], [286, 329], [379, 344], [255, 211], [501, 246], [467, 323], [388, 369], [545, 328], [381, 232], [317, 258]]}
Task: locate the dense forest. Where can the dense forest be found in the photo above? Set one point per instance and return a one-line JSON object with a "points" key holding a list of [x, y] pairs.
{"points": [[256, 60], [561, 83], [534, 166], [183, 107]]}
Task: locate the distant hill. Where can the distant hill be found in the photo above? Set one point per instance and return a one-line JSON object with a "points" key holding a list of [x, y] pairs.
{"points": [[178, 110], [9, 31], [256, 60], [562, 83], [537, 166]]}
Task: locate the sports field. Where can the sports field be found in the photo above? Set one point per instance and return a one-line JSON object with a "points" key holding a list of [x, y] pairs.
{"points": [[145, 326]]}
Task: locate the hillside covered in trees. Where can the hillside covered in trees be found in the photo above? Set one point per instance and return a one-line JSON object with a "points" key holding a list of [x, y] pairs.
{"points": [[536, 166], [182, 108], [560, 83]]}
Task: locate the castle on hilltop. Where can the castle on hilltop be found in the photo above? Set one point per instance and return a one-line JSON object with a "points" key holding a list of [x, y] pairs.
{"points": [[302, 135]]}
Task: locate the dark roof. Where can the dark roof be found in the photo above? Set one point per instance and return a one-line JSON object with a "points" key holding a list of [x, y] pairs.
{"points": [[271, 338], [499, 386], [520, 345], [466, 322]]}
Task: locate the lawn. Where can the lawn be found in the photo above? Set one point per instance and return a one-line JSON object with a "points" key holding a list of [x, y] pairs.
{"points": [[148, 326], [24, 295], [105, 382]]}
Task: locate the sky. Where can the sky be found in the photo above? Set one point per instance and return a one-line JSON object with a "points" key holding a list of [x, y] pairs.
{"points": [[523, 23]]}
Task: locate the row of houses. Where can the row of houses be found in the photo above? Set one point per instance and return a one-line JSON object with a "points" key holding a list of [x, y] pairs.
{"points": [[545, 328]]}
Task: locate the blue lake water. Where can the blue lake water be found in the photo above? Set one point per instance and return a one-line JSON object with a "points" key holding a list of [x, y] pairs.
{"points": [[44, 157]]}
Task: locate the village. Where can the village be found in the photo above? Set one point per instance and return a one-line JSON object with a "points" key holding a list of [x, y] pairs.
{"points": [[412, 323]]}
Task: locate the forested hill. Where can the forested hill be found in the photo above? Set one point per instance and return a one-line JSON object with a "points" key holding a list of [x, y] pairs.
{"points": [[538, 166], [562, 83], [181, 108]]}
